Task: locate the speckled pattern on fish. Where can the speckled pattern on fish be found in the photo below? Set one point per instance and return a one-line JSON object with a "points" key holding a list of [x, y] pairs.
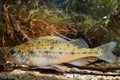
{"points": [[53, 50]]}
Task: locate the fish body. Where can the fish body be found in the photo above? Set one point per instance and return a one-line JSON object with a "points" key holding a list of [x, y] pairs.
{"points": [[49, 51]]}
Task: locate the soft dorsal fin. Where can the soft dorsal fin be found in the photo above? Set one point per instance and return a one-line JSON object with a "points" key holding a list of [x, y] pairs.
{"points": [[80, 42]]}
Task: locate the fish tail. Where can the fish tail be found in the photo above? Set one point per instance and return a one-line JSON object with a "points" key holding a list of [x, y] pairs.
{"points": [[106, 52]]}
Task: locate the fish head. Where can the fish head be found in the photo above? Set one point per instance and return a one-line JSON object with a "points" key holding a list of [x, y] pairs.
{"points": [[18, 56]]}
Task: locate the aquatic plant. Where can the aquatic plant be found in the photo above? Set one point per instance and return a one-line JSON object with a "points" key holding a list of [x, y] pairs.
{"points": [[2, 29], [37, 18]]}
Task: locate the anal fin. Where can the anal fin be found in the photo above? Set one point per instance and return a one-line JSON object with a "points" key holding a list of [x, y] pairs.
{"points": [[84, 61]]}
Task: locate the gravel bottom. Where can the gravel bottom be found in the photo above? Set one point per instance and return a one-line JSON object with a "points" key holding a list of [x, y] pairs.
{"points": [[34, 75]]}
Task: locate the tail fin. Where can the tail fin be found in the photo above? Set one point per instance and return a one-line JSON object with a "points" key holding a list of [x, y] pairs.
{"points": [[106, 52]]}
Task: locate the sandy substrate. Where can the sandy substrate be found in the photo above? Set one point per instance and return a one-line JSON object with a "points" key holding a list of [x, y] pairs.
{"points": [[23, 74], [35, 75]]}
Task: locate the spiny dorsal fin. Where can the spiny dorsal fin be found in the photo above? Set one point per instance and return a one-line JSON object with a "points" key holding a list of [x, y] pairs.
{"points": [[51, 39], [56, 39]]}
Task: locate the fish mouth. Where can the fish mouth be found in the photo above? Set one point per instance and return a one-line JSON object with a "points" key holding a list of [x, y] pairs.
{"points": [[18, 59]]}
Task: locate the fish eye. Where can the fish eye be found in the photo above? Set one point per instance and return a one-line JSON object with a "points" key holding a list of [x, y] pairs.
{"points": [[12, 52]]}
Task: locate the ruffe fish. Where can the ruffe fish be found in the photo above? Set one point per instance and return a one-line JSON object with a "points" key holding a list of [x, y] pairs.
{"points": [[53, 50]]}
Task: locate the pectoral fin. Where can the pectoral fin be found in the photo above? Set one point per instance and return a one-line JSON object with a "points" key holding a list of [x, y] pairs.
{"points": [[84, 61]]}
